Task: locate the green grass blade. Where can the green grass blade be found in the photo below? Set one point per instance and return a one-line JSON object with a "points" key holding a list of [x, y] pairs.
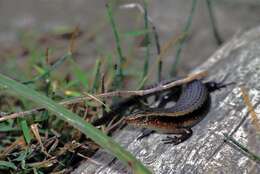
{"points": [[147, 39], [119, 71], [76, 121], [6, 164], [80, 75], [97, 76], [52, 68], [244, 149], [136, 33], [26, 130]]}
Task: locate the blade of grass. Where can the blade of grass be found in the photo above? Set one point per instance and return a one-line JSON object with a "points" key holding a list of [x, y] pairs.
{"points": [[56, 64], [76, 121], [6, 164], [119, 70], [103, 91], [136, 33], [242, 148], [158, 48], [109, 71], [182, 42], [26, 130], [96, 80], [147, 40], [81, 75]]}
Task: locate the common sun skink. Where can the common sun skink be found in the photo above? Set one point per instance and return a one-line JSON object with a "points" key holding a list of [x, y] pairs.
{"points": [[192, 103], [190, 108]]}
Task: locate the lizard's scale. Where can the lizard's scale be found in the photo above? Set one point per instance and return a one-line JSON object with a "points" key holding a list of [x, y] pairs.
{"points": [[193, 96]]}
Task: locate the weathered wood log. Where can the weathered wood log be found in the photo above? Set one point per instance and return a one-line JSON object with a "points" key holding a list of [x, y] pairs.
{"points": [[205, 151]]}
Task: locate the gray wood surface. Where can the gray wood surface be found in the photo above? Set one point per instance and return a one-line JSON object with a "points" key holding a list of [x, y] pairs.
{"points": [[240, 58]]}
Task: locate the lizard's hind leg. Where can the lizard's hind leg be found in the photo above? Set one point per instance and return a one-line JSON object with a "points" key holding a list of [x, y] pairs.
{"points": [[187, 133]]}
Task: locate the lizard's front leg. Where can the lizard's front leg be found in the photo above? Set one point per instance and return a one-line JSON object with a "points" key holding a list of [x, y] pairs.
{"points": [[145, 133]]}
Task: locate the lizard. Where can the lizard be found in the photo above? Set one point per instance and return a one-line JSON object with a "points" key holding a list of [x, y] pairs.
{"points": [[190, 108]]}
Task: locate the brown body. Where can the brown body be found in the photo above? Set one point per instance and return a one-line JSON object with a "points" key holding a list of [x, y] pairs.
{"points": [[168, 124], [192, 103], [190, 108]]}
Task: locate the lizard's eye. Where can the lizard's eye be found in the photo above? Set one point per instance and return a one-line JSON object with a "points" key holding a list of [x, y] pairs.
{"points": [[212, 86]]}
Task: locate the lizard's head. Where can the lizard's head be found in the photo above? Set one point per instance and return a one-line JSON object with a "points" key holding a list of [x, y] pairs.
{"points": [[213, 86]]}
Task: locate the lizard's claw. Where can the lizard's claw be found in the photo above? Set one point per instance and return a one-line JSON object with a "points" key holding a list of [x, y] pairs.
{"points": [[172, 140]]}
